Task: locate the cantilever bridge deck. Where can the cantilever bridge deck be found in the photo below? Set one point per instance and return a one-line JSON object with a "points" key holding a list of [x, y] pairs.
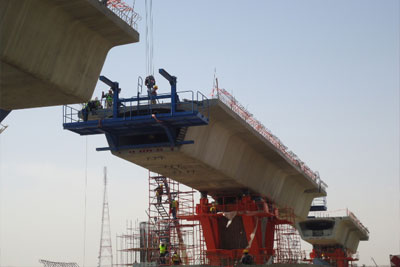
{"points": [[345, 230], [214, 146], [228, 156], [53, 51]]}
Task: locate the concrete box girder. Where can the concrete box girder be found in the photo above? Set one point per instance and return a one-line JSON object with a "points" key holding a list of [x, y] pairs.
{"points": [[52, 51], [228, 156], [343, 231]]}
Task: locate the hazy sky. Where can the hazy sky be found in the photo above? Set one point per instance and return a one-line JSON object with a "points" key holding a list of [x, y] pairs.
{"points": [[322, 75]]}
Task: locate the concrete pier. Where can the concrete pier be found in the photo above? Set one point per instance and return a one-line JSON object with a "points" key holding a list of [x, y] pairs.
{"points": [[52, 51], [227, 157]]}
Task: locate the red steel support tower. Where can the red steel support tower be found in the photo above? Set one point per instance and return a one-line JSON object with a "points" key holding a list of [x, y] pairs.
{"points": [[250, 222]]}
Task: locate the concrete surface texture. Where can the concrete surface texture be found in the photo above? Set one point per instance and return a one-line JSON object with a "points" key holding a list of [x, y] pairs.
{"points": [[342, 231], [52, 52], [228, 156]]}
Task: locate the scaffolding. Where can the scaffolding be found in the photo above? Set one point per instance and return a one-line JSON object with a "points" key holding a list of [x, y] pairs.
{"points": [[139, 246], [287, 244], [134, 245], [181, 236]]}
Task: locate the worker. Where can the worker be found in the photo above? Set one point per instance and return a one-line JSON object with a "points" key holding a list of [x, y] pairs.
{"points": [[246, 257], [152, 88], [213, 208], [90, 106], [174, 208], [163, 252], [85, 111], [94, 104], [109, 98], [149, 81], [159, 192], [153, 94], [176, 259]]}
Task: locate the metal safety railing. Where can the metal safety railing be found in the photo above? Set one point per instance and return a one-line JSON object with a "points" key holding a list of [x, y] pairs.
{"points": [[131, 107], [357, 221], [70, 114], [203, 104], [187, 103], [342, 213], [306, 257], [124, 11], [242, 112], [319, 201]]}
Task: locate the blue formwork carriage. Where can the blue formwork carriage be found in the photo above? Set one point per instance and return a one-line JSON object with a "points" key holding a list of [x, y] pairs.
{"points": [[143, 121], [319, 204]]}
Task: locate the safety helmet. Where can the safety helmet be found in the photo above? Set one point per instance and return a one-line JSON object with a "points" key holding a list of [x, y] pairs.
{"points": [[245, 250]]}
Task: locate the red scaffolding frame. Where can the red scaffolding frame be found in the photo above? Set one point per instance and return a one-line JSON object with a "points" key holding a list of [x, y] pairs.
{"points": [[180, 235], [141, 243]]}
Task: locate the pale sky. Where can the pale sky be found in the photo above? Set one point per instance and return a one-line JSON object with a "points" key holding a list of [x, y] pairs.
{"points": [[322, 75]]}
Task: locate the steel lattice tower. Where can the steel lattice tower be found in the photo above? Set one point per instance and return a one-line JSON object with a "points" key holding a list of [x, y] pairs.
{"points": [[105, 253]]}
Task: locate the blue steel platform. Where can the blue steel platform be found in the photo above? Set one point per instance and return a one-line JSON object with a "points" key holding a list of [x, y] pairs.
{"points": [[140, 122]]}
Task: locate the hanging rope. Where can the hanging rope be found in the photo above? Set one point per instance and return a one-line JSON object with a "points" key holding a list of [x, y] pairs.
{"points": [[149, 38], [84, 216]]}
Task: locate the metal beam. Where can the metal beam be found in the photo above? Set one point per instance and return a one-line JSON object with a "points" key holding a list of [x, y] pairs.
{"points": [[144, 146]]}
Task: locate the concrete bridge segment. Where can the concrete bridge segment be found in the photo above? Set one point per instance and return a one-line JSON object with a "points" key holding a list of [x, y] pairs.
{"points": [[227, 156], [52, 51], [346, 231]]}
